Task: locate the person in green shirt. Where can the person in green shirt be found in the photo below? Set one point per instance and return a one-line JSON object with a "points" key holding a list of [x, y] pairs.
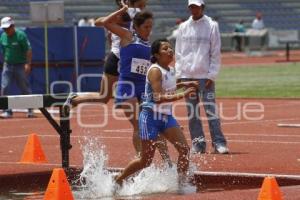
{"points": [[239, 29], [17, 54]]}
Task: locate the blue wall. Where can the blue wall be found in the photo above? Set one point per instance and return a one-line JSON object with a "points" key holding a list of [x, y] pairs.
{"points": [[91, 48]]}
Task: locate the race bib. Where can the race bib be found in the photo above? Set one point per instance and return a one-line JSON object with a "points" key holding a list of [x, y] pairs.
{"points": [[140, 66]]}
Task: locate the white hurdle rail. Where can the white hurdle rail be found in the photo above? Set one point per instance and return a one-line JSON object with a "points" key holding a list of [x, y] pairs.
{"points": [[42, 102]]}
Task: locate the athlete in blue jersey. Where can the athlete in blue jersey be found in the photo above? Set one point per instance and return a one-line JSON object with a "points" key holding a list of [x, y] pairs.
{"points": [[156, 115], [110, 72], [134, 63], [129, 91]]}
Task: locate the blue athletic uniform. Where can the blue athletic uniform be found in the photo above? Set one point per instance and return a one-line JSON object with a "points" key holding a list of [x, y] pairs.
{"points": [[134, 64], [156, 118]]}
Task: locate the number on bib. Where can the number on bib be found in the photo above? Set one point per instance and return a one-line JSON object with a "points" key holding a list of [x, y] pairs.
{"points": [[140, 66]]}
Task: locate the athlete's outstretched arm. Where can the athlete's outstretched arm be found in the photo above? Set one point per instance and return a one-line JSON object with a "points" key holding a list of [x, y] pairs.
{"points": [[102, 21], [110, 22], [187, 84], [155, 78]]}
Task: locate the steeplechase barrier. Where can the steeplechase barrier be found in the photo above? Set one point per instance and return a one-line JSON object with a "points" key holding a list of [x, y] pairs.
{"points": [[42, 102]]}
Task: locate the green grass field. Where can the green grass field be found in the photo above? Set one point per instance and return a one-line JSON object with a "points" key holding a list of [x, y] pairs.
{"points": [[260, 81]]}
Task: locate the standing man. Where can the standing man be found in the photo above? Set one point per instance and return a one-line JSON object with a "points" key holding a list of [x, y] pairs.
{"points": [[198, 58], [258, 22], [17, 56], [239, 30]]}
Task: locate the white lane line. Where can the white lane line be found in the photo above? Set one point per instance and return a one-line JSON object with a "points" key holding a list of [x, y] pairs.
{"points": [[247, 174], [265, 106], [129, 131], [84, 116], [227, 134], [263, 142], [14, 120], [40, 164], [76, 136], [260, 121], [261, 135], [238, 122], [13, 137], [75, 112], [129, 138], [225, 103], [215, 173], [118, 130], [289, 125], [250, 122], [225, 107]]}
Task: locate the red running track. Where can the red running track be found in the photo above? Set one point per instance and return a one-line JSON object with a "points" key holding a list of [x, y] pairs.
{"points": [[256, 146]]}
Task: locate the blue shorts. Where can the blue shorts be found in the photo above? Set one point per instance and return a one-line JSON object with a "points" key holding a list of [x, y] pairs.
{"points": [[128, 89], [152, 123]]}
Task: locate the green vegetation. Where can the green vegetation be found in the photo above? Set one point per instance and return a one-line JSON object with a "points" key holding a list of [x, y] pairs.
{"points": [[260, 81]]}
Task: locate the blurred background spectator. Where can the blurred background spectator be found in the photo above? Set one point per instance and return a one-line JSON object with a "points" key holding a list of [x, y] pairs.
{"points": [[17, 55], [85, 21], [239, 31], [282, 25], [258, 22]]}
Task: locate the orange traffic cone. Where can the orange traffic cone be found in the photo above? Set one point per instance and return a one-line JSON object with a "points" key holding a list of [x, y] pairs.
{"points": [[58, 187], [270, 190], [33, 152]]}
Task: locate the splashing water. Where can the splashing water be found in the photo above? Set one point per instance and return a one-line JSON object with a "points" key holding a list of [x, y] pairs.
{"points": [[97, 182], [95, 179], [151, 180]]}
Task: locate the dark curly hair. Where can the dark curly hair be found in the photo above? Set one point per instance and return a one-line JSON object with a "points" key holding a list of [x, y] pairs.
{"points": [[132, 2], [118, 2], [141, 17], [155, 48]]}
